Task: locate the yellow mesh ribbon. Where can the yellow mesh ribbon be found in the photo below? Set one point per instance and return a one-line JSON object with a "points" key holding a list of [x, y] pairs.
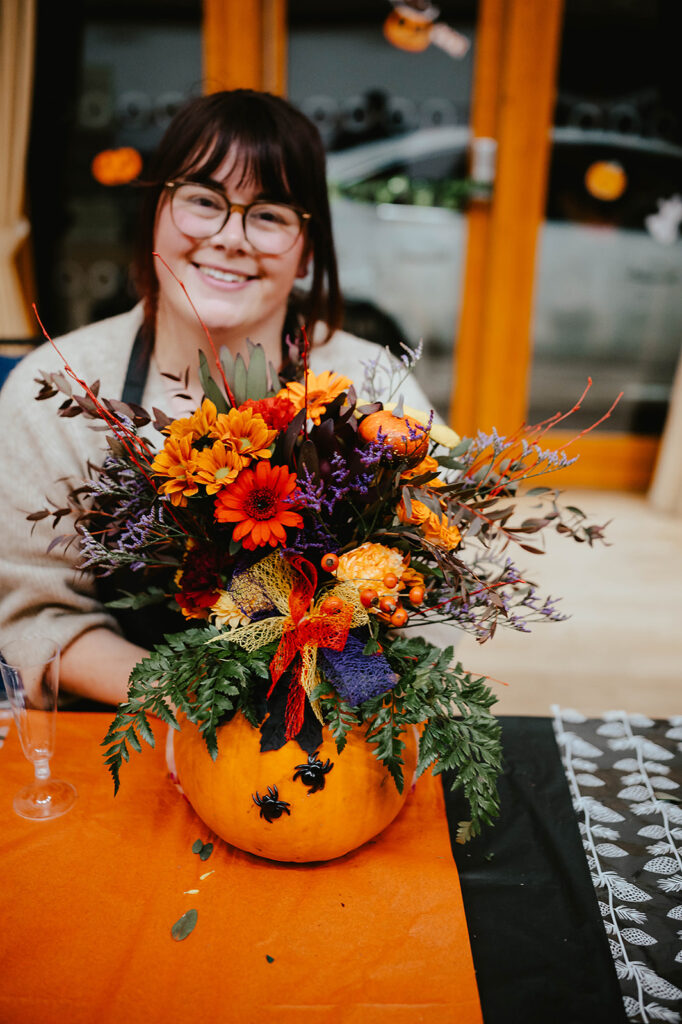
{"points": [[269, 583]]}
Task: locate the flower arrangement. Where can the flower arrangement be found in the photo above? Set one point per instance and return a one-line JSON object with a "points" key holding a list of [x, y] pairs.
{"points": [[300, 528]]}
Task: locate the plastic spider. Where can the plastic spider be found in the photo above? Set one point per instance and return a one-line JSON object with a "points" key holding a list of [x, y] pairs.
{"points": [[271, 807], [312, 774]]}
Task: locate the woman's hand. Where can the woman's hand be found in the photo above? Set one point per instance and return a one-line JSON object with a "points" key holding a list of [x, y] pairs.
{"points": [[98, 664]]}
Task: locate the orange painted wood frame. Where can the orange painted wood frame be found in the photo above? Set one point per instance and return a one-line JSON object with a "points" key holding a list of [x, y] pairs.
{"points": [[517, 44], [244, 45], [514, 91], [607, 461]]}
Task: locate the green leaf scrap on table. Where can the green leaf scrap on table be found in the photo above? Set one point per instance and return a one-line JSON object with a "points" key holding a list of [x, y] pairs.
{"points": [[184, 925]]}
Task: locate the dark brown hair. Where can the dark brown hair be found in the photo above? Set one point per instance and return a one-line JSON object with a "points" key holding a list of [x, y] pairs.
{"points": [[279, 148]]}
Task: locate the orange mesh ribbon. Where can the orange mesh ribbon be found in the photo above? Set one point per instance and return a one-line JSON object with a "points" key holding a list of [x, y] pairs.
{"points": [[300, 636], [304, 587]]}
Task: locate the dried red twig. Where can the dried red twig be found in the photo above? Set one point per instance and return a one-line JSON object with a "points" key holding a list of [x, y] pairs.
{"points": [[123, 434], [228, 389]]}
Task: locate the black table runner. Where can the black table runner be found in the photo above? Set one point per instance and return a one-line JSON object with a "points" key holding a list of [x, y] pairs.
{"points": [[540, 949]]}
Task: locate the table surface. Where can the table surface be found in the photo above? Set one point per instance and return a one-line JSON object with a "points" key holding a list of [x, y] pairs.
{"points": [[572, 901]]}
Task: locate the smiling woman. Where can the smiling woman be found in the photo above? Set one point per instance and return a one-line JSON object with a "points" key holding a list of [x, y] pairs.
{"points": [[234, 215]]}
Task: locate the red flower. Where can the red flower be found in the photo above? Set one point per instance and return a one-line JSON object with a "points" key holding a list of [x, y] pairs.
{"points": [[259, 503], [278, 412], [200, 580]]}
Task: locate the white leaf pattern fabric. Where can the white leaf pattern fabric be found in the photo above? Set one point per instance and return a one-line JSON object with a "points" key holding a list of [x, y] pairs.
{"points": [[610, 850], [637, 762], [662, 865], [637, 937]]}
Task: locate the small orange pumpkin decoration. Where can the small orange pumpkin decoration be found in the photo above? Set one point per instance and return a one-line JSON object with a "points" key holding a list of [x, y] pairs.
{"points": [[277, 804], [116, 166], [409, 28], [395, 432]]}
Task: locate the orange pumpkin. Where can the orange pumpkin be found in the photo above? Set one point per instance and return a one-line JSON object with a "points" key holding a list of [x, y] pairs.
{"points": [[395, 433], [409, 29], [116, 166], [276, 804]]}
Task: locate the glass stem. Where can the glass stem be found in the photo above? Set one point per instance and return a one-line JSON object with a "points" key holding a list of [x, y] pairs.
{"points": [[42, 769]]}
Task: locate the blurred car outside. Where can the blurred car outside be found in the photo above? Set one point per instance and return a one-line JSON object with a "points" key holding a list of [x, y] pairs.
{"points": [[607, 292]]}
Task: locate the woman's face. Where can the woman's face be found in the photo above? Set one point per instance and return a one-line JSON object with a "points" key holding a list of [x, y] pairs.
{"points": [[237, 291]]}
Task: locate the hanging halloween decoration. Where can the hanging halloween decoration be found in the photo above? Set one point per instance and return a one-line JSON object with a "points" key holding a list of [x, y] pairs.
{"points": [[412, 25], [116, 166], [606, 180]]}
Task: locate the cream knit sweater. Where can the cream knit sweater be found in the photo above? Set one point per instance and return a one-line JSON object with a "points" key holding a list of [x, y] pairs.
{"points": [[41, 451]]}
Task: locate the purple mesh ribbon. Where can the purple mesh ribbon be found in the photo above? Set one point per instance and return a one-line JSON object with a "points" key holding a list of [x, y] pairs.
{"points": [[356, 676]]}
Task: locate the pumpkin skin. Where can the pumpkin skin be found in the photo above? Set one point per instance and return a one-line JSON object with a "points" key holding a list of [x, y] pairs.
{"points": [[408, 30], [357, 801], [116, 166], [395, 433]]}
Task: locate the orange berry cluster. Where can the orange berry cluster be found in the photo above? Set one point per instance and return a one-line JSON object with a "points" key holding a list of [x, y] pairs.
{"points": [[390, 610]]}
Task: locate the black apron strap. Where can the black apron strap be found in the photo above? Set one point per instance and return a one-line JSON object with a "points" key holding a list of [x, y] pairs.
{"points": [[141, 354], [138, 367]]}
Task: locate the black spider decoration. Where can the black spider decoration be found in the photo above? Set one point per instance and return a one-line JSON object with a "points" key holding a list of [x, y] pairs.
{"points": [[312, 774], [271, 807]]}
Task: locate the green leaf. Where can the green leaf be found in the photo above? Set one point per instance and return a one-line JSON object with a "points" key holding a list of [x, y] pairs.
{"points": [[239, 388], [227, 363], [154, 595], [184, 926], [206, 851], [257, 373], [210, 388], [197, 846]]}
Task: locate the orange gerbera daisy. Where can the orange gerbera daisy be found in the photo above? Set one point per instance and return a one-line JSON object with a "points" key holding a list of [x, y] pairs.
{"points": [[246, 432], [258, 502], [178, 462], [216, 467], [322, 390], [197, 425]]}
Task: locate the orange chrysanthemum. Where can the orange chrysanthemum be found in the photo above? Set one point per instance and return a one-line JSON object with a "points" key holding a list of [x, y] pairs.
{"points": [[369, 563], [197, 425], [258, 502], [246, 432], [178, 462], [322, 390], [434, 526], [216, 467]]}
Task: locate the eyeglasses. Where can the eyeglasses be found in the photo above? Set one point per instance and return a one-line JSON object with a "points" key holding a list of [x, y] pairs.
{"points": [[201, 211]]}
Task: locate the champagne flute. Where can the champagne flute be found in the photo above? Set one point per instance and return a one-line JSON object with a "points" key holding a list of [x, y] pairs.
{"points": [[30, 672]]}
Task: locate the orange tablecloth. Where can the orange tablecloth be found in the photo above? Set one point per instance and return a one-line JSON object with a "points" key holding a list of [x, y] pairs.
{"points": [[88, 901]]}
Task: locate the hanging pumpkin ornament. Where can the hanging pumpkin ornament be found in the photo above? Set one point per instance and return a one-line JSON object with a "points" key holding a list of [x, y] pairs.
{"points": [[412, 26], [606, 180], [116, 166]]}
